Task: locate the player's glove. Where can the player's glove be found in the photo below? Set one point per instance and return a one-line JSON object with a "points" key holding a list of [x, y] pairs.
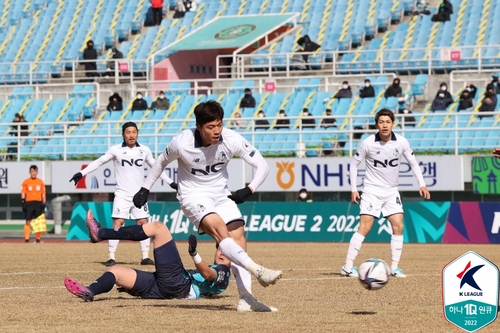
{"points": [[43, 207], [193, 242], [174, 185], [141, 197], [76, 177], [241, 195], [23, 205]]}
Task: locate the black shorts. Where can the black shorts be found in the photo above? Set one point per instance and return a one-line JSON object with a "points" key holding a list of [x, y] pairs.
{"points": [[170, 280], [33, 209]]}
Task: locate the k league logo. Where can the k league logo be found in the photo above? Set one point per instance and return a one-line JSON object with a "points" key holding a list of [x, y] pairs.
{"points": [[470, 291]]}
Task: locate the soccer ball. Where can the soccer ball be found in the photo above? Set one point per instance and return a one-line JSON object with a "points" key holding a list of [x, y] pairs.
{"points": [[374, 274]]}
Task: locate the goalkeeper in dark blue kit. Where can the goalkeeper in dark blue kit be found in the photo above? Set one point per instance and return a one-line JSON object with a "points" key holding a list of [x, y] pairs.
{"points": [[171, 280]]}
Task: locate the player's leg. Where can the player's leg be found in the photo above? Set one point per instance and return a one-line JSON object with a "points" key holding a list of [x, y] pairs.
{"points": [[246, 303], [37, 211], [122, 276], [369, 207], [121, 212], [202, 212], [28, 214], [392, 209], [141, 215]]}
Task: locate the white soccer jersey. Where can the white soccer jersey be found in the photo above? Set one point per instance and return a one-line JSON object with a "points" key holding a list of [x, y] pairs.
{"points": [[382, 161], [129, 167], [204, 169]]}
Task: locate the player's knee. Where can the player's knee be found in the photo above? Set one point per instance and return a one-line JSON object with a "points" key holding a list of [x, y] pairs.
{"points": [[397, 228]]}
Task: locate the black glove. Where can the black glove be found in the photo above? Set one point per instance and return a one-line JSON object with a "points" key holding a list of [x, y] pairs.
{"points": [[193, 242], [43, 207], [141, 197], [23, 205], [174, 185], [241, 195], [76, 177]]}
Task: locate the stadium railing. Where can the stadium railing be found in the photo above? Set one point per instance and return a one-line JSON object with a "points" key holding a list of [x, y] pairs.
{"points": [[435, 133], [433, 60]]}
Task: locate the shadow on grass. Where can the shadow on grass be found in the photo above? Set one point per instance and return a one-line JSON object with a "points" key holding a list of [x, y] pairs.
{"points": [[362, 313]]}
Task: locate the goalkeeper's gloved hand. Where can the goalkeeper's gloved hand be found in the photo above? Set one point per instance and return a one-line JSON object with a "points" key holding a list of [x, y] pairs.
{"points": [[141, 197], [241, 195], [23, 205], [76, 177], [193, 242]]}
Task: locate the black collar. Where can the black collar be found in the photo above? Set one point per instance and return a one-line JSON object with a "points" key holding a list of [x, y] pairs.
{"points": [[198, 142], [377, 137], [136, 144]]}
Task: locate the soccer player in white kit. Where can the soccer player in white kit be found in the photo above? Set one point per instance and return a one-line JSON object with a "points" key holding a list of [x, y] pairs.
{"points": [[203, 154], [128, 159], [382, 153]]}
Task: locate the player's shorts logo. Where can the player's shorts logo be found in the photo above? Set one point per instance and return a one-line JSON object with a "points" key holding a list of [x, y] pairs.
{"points": [[235, 32], [285, 168]]}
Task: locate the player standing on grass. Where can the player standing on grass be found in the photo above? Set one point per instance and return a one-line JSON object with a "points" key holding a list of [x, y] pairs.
{"points": [[170, 280], [203, 154], [128, 159], [382, 153]]}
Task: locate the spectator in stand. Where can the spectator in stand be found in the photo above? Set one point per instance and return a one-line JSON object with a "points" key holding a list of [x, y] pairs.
{"points": [[442, 100], [157, 6], [328, 121], [24, 128], [489, 102], [466, 102], [238, 123], [115, 103], [444, 11], [262, 122], [394, 90], [422, 8], [139, 104], [367, 90], [472, 90], [304, 196], [247, 101], [307, 121], [116, 55], [161, 103], [344, 91], [495, 83], [408, 118], [283, 122], [15, 130], [90, 54]]}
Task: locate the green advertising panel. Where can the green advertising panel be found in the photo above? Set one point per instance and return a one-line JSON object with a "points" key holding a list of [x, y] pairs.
{"points": [[485, 175], [288, 222]]}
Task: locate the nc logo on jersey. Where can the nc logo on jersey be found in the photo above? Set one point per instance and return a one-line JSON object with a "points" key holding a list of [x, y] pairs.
{"points": [[470, 291]]}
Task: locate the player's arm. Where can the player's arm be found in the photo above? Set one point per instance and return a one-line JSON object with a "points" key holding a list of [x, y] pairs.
{"points": [[108, 156], [253, 157], [412, 161], [206, 271], [169, 154], [151, 162], [353, 171], [23, 196], [44, 196]]}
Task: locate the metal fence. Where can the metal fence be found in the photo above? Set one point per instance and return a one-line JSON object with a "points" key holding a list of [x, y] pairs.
{"points": [[434, 133]]}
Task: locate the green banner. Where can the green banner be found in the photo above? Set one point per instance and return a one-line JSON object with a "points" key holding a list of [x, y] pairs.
{"points": [[485, 175], [288, 221]]}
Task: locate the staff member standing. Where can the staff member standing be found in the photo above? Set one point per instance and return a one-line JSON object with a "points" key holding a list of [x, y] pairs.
{"points": [[33, 200]]}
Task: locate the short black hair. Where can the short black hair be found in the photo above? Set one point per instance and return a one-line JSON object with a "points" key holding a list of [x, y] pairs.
{"points": [[33, 167], [208, 111], [328, 110], [127, 125], [384, 112], [248, 90], [162, 92]]}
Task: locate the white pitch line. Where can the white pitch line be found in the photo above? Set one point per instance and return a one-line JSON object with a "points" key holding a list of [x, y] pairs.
{"points": [[51, 272], [39, 287]]}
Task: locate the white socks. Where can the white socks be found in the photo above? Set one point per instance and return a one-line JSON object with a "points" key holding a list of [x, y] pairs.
{"points": [[353, 250], [396, 250], [112, 246], [243, 280], [145, 248], [237, 255]]}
